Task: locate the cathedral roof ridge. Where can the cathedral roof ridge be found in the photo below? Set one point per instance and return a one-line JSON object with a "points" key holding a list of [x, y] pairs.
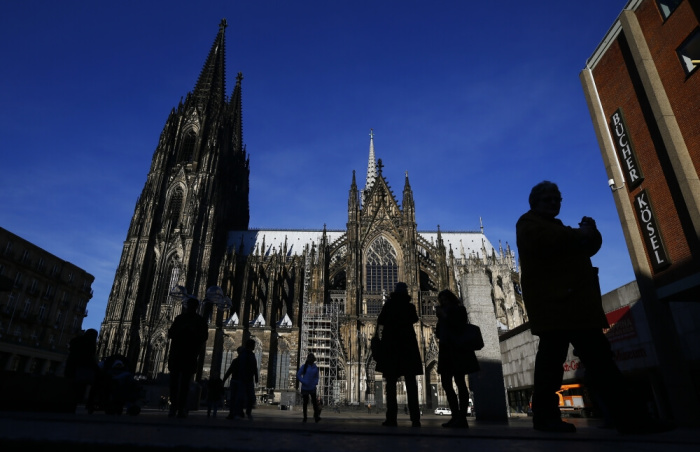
{"points": [[256, 229], [447, 231]]}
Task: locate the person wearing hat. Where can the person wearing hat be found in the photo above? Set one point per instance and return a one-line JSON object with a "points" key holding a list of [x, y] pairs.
{"points": [[187, 334], [400, 351], [308, 377]]}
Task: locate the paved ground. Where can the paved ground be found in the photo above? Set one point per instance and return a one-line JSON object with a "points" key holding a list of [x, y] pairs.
{"points": [[275, 430]]}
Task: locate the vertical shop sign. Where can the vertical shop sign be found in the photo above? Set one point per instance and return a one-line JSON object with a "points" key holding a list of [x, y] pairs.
{"points": [[625, 150], [651, 233]]}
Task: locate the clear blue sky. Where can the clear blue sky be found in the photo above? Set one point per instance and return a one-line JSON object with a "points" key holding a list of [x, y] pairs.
{"points": [[478, 101]]}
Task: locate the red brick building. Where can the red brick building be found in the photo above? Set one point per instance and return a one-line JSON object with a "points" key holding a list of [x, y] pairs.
{"points": [[643, 92]]}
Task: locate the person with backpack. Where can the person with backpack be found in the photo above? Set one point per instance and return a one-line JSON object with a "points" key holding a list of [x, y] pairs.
{"points": [[308, 377]]}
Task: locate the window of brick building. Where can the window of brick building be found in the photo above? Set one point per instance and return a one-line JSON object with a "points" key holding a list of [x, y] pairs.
{"points": [[666, 7], [689, 52]]}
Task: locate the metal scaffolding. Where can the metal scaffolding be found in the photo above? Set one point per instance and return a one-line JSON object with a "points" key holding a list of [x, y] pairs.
{"points": [[319, 335]]}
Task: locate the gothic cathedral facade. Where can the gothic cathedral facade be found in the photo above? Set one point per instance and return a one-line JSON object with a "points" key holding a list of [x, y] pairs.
{"points": [[292, 291]]}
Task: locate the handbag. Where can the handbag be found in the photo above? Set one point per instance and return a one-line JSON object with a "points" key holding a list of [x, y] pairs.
{"points": [[469, 338]]}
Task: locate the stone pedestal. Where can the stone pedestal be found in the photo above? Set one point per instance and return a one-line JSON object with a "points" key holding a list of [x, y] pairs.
{"points": [[487, 386]]}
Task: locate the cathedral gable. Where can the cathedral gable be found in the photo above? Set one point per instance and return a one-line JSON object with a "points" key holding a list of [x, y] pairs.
{"points": [[381, 213]]}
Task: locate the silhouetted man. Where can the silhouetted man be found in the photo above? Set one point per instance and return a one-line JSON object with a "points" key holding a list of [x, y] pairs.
{"points": [[563, 301], [188, 334]]}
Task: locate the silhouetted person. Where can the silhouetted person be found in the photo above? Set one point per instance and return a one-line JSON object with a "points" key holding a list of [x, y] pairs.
{"points": [[454, 361], [187, 334], [215, 393], [81, 367], [232, 372], [563, 301], [401, 356], [308, 377], [247, 369], [122, 390]]}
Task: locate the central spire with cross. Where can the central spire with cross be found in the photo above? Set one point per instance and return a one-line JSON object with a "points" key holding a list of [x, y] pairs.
{"points": [[371, 165]]}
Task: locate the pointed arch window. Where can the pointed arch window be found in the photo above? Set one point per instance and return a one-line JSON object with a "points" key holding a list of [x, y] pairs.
{"points": [[187, 149], [168, 280], [382, 269], [175, 208]]}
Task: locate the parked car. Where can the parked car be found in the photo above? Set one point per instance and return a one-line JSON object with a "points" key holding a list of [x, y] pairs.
{"points": [[443, 411]]}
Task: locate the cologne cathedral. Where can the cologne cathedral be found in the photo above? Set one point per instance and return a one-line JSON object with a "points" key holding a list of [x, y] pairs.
{"points": [[292, 291]]}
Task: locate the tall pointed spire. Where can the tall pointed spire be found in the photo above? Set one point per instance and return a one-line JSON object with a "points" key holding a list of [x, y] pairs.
{"points": [[211, 85], [371, 168], [237, 113], [371, 165]]}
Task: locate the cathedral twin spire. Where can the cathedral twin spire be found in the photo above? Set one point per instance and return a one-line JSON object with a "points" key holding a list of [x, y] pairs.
{"points": [[211, 85]]}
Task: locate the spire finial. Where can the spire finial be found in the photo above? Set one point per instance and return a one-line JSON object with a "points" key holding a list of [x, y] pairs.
{"points": [[223, 24]]}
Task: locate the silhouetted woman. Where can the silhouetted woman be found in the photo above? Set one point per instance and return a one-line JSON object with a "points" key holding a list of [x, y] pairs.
{"points": [[454, 361], [401, 356]]}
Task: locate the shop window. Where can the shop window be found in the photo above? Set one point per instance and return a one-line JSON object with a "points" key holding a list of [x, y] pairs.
{"points": [[689, 52], [667, 7]]}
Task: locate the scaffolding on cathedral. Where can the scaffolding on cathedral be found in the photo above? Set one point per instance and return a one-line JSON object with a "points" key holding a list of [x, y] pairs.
{"points": [[319, 335]]}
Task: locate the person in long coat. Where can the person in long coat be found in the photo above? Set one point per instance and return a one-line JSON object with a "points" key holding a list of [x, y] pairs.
{"points": [[248, 376], [400, 353], [454, 361], [187, 334], [564, 305]]}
